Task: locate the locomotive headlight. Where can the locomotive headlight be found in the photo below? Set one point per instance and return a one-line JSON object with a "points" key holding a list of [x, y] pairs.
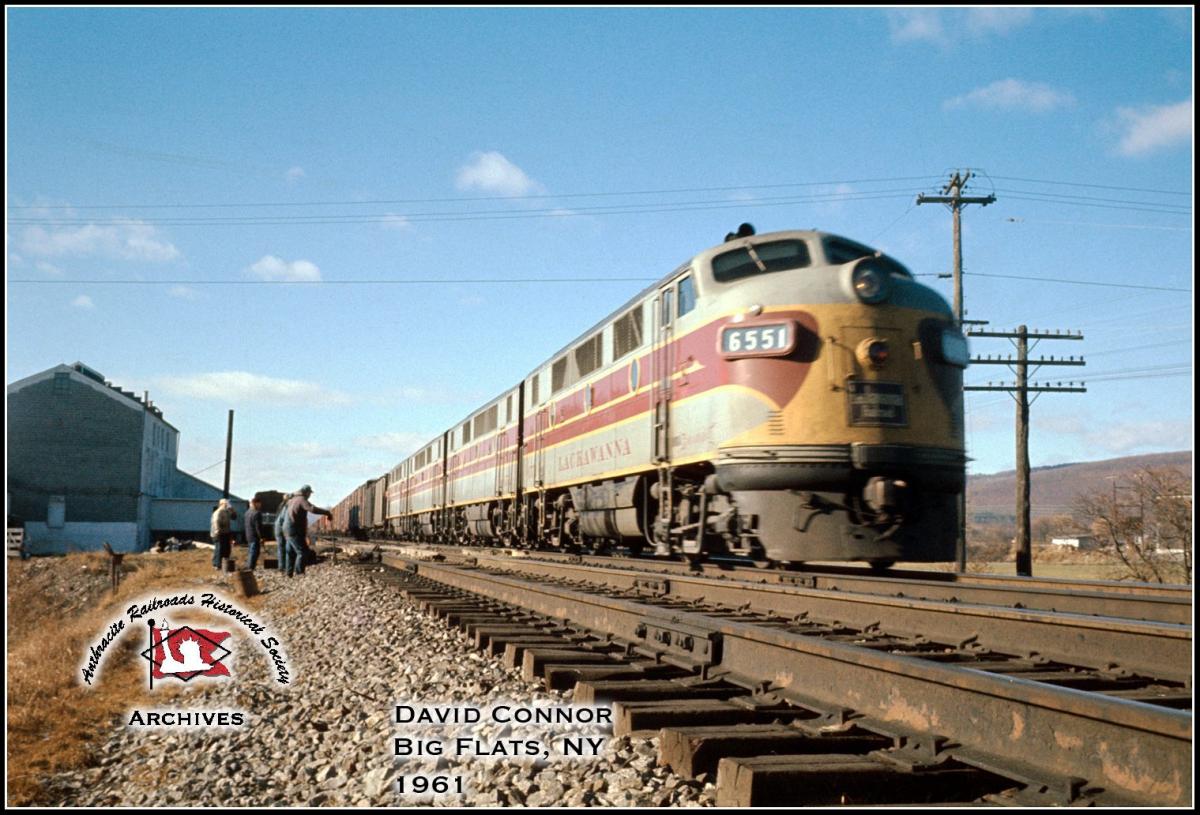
{"points": [[954, 348], [870, 283]]}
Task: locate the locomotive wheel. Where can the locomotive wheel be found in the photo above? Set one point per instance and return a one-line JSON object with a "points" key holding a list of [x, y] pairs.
{"points": [[881, 565]]}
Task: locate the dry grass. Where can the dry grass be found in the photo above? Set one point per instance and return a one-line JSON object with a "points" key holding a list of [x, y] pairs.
{"points": [[57, 607]]}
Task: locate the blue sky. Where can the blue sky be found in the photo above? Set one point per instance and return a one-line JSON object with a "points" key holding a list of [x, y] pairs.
{"points": [[215, 157]]}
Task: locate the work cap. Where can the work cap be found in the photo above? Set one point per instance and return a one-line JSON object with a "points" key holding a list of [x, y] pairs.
{"points": [[306, 490]]}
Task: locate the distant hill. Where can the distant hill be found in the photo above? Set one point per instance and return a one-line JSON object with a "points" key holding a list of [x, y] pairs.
{"points": [[1053, 489]]}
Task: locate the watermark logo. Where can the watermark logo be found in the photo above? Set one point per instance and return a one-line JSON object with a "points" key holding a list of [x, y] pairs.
{"points": [[186, 652]]}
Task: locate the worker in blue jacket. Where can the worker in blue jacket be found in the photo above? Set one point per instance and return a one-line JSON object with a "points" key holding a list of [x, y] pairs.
{"points": [[280, 540], [295, 527]]}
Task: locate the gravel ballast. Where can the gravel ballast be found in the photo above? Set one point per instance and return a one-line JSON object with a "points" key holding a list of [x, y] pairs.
{"points": [[356, 648]]}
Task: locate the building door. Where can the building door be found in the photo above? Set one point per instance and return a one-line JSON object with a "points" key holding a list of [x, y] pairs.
{"points": [[56, 511]]}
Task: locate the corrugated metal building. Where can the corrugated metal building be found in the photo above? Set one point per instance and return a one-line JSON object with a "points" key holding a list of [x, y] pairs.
{"points": [[89, 462]]}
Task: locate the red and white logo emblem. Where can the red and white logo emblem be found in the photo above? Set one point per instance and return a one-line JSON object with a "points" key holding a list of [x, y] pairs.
{"points": [[185, 653]]}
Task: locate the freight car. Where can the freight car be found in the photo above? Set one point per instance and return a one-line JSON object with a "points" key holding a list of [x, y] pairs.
{"points": [[788, 397], [361, 512]]}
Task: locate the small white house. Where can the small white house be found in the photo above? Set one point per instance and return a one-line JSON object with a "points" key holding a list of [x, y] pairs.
{"points": [[1080, 541]]}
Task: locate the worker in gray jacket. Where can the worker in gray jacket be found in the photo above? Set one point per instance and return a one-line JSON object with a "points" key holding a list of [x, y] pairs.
{"points": [[280, 540], [295, 527], [221, 531]]}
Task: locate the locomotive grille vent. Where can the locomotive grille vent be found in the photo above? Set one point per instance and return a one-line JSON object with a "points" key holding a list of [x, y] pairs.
{"points": [[775, 423]]}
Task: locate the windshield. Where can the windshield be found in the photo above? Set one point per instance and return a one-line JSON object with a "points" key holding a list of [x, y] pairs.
{"points": [[775, 256]]}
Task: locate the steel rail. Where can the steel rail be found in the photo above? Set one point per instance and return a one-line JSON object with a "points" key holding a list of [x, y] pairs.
{"points": [[1042, 734], [1135, 601], [1142, 601], [1159, 650]]}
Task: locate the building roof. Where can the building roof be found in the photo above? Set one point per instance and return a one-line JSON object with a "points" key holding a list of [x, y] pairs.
{"points": [[80, 372]]}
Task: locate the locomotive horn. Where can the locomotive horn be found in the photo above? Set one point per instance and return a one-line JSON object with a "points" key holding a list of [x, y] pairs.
{"points": [[743, 231]]}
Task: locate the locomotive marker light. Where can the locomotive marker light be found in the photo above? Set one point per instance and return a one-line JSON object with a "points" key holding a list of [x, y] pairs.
{"points": [[873, 352]]}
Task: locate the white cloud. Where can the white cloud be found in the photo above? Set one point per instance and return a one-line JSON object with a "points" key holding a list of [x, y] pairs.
{"points": [[492, 172], [125, 240], [914, 25], [333, 470], [997, 20], [273, 268], [184, 292], [1130, 437], [83, 301], [1153, 127], [399, 223], [48, 269], [930, 24], [243, 386], [1013, 94], [1118, 438], [294, 174], [397, 444]]}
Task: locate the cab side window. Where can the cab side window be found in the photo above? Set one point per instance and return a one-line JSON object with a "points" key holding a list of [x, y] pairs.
{"points": [[687, 296]]}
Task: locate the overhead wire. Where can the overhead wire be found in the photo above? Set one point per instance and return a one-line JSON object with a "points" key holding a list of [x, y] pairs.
{"points": [[1095, 186], [1078, 282], [486, 215], [462, 199]]}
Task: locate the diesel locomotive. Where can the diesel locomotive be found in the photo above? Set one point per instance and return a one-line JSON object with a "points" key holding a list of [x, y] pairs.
{"points": [[788, 397]]}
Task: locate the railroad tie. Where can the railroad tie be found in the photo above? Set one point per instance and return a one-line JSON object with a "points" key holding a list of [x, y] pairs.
{"points": [[647, 718], [690, 751], [535, 659], [599, 691], [511, 649], [838, 779]]}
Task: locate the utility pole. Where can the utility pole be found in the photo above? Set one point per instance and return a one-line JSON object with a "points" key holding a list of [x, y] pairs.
{"points": [[1020, 392], [953, 198], [228, 453]]}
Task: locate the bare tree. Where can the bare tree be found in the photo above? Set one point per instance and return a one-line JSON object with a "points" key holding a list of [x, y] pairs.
{"points": [[1144, 523]]}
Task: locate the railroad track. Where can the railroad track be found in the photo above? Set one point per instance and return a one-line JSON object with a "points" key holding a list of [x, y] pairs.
{"points": [[798, 696], [1131, 601]]}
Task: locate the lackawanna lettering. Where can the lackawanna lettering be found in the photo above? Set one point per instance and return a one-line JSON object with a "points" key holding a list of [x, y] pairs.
{"points": [[597, 452], [187, 718]]}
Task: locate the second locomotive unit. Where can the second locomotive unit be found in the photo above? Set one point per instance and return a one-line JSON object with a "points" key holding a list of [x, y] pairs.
{"points": [[792, 396]]}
